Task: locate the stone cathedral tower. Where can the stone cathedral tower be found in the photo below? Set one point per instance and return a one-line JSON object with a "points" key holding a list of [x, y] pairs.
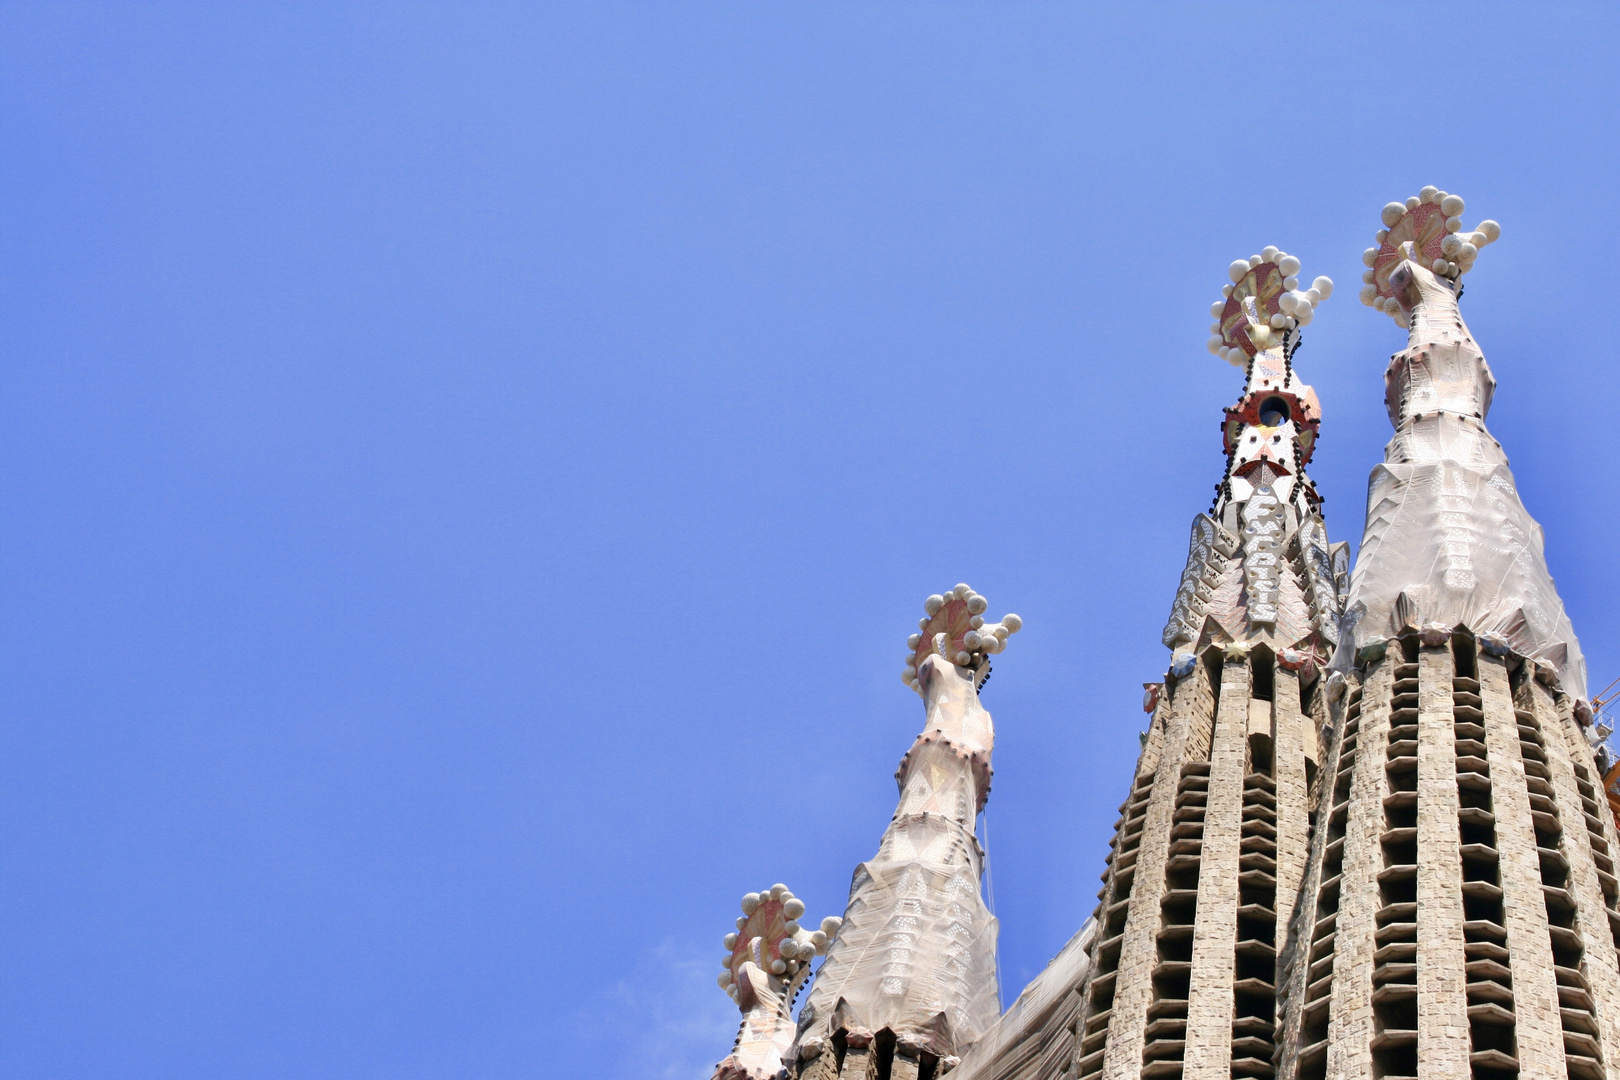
{"points": [[1209, 849], [1367, 836], [1459, 915]]}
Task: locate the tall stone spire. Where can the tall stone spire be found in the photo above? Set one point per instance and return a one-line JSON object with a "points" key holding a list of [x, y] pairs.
{"points": [[910, 979], [1210, 846], [766, 964], [1447, 541], [1259, 569], [1460, 913]]}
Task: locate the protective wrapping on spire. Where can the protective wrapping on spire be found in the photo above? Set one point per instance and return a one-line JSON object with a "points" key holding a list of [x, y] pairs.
{"points": [[1447, 542], [916, 954], [766, 964], [1259, 566]]}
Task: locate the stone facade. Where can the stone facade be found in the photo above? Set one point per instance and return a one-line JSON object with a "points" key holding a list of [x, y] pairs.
{"points": [[1367, 836]]}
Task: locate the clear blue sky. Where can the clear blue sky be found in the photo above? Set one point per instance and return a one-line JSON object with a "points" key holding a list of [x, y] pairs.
{"points": [[468, 471]]}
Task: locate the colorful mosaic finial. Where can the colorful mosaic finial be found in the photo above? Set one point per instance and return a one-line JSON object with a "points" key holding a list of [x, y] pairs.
{"points": [[1426, 230], [1262, 305], [766, 964], [953, 627]]}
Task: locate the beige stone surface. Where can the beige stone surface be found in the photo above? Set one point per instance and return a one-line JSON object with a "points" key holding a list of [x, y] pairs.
{"points": [[1537, 1025], [1191, 716], [1443, 1040], [1208, 1052], [1350, 1027], [1565, 748]]}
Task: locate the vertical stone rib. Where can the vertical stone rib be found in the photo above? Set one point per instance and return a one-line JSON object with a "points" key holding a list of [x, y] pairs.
{"points": [[1291, 728], [1209, 1004], [1538, 1029], [1296, 937], [1122, 1060], [1350, 1026], [1442, 1003], [1562, 743]]}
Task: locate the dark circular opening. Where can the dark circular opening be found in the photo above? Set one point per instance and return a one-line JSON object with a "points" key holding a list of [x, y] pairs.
{"points": [[1274, 412]]}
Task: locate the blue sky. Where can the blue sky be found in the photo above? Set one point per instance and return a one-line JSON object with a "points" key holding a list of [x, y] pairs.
{"points": [[468, 471]]}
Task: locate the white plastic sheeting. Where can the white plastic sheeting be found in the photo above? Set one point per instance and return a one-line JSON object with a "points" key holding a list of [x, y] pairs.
{"points": [[1035, 1039], [1447, 540], [917, 950]]}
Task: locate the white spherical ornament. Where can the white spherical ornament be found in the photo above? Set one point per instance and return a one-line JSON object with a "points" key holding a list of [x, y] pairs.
{"points": [[1236, 271], [1323, 287], [963, 659], [1453, 224], [1279, 321], [788, 949], [1380, 236], [1226, 290], [793, 908], [1413, 203], [1492, 231], [913, 641], [1013, 623], [1287, 301], [972, 640], [1369, 256], [922, 623], [1451, 205], [1466, 252], [1215, 344], [1369, 276], [1237, 358], [1288, 265], [962, 590], [1450, 246], [1254, 261], [977, 604], [742, 922], [779, 890], [778, 967], [933, 604], [830, 925], [750, 901], [1369, 293], [1217, 308], [724, 980], [1393, 212], [818, 940], [1428, 192], [1303, 315], [1269, 253], [729, 941], [1290, 282]]}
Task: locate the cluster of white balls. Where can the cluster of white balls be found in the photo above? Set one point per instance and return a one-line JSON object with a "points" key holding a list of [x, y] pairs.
{"points": [[796, 948], [981, 640], [1457, 251], [1298, 306]]}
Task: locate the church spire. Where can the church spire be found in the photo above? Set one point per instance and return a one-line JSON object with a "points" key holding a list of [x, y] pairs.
{"points": [[1259, 568], [1448, 542], [911, 975]]}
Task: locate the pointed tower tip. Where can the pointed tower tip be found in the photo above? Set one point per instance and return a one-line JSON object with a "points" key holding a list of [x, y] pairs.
{"points": [[1262, 306], [953, 626], [1426, 230]]}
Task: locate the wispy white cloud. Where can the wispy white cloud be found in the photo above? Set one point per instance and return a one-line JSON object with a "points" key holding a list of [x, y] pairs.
{"points": [[671, 1022]]}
